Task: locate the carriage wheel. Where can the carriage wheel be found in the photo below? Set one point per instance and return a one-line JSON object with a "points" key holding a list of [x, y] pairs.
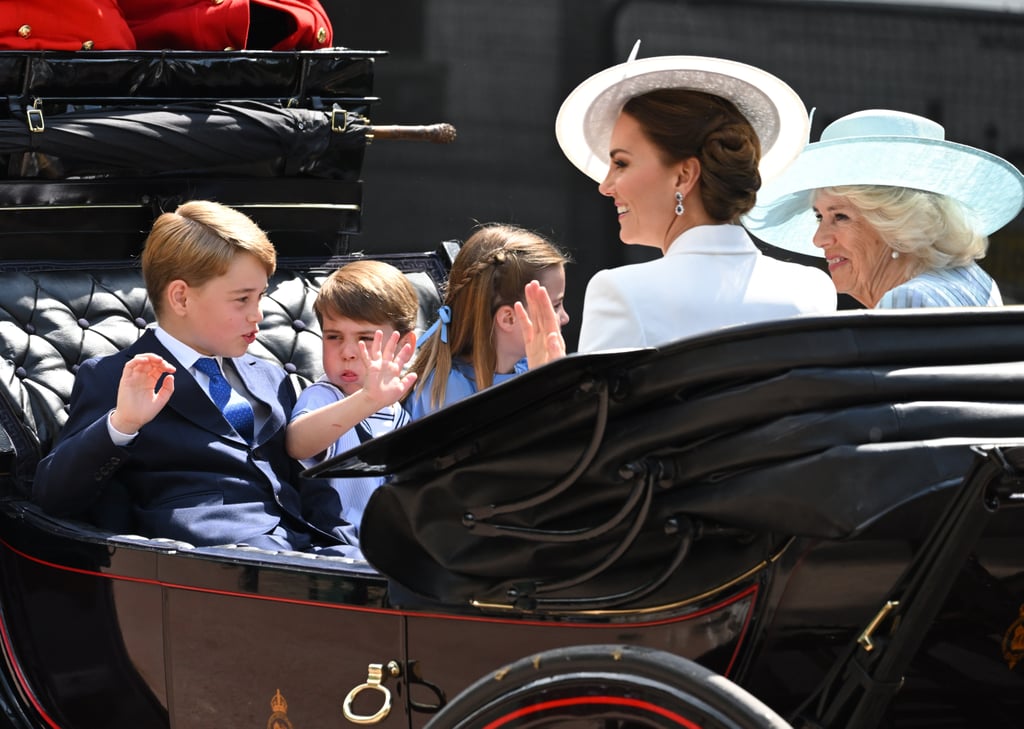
{"points": [[605, 687]]}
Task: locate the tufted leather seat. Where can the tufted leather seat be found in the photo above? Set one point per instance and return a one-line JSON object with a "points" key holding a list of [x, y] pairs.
{"points": [[56, 315]]}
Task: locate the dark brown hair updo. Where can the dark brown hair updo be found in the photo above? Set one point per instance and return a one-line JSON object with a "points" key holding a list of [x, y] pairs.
{"points": [[684, 123]]}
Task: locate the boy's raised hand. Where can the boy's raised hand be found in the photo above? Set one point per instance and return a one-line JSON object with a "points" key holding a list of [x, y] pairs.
{"points": [[384, 361], [138, 400], [538, 323]]}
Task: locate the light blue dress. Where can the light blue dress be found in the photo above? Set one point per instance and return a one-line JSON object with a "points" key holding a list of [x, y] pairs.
{"points": [[336, 505], [960, 286], [461, 384]]}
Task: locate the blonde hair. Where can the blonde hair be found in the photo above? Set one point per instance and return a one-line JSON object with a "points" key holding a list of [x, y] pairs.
{"points": [[491, 270], [369, 291], [932, 228], [197, 243]]}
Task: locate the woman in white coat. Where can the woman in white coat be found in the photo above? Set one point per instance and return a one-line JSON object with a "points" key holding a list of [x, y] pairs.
{"points": [[680, 144]]}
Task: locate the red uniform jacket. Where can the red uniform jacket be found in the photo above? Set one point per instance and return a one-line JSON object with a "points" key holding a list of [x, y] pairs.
{"points": [[203, 25], [218, 25], [64, 25]]}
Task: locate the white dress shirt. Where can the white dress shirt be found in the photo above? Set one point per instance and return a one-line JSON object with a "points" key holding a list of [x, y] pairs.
{"points": [[187, 357]]}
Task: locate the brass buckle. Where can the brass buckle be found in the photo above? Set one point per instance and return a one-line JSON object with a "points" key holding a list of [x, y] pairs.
{"points": [[34, 115], [334, 120]]}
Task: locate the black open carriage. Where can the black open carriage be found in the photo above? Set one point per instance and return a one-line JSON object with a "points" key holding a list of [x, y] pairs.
{"points": [[772, 520]]}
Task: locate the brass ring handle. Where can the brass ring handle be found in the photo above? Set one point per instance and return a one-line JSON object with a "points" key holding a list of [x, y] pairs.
{"points": [[375, 674]]}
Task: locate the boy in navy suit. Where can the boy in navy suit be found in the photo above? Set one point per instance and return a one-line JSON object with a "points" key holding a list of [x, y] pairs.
{"points": [[188, 422]]}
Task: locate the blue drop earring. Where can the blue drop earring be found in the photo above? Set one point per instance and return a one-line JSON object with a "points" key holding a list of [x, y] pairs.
{"points": [[679, 203]]}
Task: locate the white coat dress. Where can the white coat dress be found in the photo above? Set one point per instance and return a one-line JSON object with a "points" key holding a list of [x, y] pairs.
{"points": [[711, 276]]}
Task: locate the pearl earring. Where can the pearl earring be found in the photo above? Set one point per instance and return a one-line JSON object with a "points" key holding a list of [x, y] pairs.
{"points": [[679, 203], [895, 254]]}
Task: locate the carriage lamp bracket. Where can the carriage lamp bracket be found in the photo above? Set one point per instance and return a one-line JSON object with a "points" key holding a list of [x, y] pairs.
{"points": [[376, 675], [864, 641]]}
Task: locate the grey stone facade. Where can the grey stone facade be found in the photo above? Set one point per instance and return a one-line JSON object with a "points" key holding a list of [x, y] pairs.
{"points": [[499, 70]]}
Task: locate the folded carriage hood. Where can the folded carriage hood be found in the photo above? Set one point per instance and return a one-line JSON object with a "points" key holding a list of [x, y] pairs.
{"points": [[814, 427]]}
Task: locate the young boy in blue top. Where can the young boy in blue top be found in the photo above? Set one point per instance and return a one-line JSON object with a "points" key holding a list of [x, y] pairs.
{"points": [[367, 313]]}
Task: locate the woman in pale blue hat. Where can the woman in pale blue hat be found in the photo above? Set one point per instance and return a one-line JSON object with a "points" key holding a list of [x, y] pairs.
{"points": [[901, 215]]}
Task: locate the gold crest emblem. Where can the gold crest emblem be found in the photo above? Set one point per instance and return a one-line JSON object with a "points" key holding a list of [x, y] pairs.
{"points": [[279, 713], [1013, 641]]}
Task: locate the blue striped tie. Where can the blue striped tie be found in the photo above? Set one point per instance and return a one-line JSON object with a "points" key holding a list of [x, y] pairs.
{"points": [[238, 413]]}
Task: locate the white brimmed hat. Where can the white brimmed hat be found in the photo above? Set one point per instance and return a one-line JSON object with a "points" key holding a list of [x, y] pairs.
{"points": [[890, 148], [585, 120]]}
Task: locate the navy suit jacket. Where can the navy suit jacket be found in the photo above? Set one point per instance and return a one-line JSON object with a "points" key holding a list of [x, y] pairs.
{"points": [[189, 476]]}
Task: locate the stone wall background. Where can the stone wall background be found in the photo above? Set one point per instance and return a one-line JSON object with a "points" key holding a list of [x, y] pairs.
{"points": [[499, 70]]}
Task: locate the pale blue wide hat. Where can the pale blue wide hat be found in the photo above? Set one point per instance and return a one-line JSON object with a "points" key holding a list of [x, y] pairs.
{"points": [[891, 148]]}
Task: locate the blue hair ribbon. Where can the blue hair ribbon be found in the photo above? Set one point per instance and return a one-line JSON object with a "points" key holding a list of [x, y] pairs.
{"points": [[444, 318]]}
